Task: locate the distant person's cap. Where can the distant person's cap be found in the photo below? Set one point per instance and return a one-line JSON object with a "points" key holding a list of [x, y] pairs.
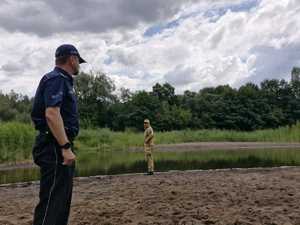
{"points": [[67, 49], [146, 121]]}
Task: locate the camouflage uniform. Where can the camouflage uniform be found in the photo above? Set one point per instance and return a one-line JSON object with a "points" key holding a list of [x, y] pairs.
{"points": [[148, 148]]}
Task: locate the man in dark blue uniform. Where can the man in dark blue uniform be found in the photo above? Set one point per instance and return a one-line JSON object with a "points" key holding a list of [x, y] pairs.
{"points": [[55, 116]]}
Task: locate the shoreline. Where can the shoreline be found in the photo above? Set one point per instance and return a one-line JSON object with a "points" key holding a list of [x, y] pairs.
{"points": [[247, 196]]}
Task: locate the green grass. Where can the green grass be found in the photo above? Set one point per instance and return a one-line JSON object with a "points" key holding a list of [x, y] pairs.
{"points": [[16, 139]]}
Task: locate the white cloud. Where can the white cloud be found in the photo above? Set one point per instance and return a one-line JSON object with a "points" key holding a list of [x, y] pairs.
{"points": [[226, 47]]}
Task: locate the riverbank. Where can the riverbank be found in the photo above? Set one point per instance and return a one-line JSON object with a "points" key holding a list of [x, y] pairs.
{"points": [[220, 197]]}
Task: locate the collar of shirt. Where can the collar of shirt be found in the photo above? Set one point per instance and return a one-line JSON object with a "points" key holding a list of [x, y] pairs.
{"points": [[65, 73]]}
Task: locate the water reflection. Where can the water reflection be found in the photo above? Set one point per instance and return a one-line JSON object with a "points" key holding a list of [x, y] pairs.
{"points": [[120, 162]]}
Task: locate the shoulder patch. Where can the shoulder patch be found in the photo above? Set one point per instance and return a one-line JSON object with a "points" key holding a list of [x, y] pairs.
{"points": [[57, 96]]}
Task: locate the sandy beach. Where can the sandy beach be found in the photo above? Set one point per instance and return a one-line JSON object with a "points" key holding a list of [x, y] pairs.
{"points": [[223, 197]]}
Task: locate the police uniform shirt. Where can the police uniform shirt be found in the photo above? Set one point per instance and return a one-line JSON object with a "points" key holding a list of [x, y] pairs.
{"points": [[56, 90]]}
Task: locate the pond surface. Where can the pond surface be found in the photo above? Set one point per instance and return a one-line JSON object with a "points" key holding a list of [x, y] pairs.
{"points": [[121, 162]]}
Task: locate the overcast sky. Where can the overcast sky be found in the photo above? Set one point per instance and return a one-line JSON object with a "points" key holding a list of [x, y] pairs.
{"points": [[188, 43]]}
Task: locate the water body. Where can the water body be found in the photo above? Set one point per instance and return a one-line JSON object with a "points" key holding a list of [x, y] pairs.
{"points": [[121, 162]]}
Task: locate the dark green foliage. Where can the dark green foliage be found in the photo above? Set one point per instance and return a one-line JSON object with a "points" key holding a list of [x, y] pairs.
{"points": [[271, 104], [15, 107], [94, 94], [275, 103]]}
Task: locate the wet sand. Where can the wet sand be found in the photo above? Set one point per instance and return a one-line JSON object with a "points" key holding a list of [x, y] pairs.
{"points": [[221, 197]]}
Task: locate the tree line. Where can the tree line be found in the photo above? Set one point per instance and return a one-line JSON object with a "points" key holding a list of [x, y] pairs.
{"points": [[271, 104]]}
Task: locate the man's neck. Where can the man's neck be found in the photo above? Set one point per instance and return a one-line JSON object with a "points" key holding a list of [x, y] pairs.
{"points": [[66, 68]]}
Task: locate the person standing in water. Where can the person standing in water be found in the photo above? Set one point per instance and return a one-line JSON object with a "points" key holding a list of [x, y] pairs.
{"points": [[148, 146]]}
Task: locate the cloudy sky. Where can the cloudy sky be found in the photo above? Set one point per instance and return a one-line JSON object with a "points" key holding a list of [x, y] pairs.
{"points": [[188, 43]]}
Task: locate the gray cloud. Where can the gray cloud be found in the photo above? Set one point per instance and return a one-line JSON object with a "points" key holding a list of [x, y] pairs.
{"points": [[122, 57], [217, 37], [52, 16], [181, 76], [272, 63], [12, 68]]}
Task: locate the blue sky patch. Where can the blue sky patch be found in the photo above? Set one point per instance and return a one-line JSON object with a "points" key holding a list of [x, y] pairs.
{"points": [[156, 29], [214, 14], [108, 60]]}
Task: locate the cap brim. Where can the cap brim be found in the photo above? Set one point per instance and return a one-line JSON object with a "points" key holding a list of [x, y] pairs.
{"points": [[81, 60]]}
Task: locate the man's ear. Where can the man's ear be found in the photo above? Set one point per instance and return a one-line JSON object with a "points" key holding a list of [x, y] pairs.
{"points": [[71, 60]]}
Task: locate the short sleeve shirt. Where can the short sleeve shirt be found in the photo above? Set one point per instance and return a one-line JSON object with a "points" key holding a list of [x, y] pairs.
{"points": [[56, 90]]}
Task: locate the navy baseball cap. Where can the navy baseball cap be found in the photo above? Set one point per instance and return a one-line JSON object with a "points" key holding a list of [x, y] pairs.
{"points": [[68, 49]]}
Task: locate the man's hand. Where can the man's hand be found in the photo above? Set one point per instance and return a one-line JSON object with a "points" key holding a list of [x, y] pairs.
{"points": [[69, 157]]}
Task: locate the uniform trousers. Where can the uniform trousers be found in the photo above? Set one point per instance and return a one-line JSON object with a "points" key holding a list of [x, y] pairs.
{"points": [[56, 182]]}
